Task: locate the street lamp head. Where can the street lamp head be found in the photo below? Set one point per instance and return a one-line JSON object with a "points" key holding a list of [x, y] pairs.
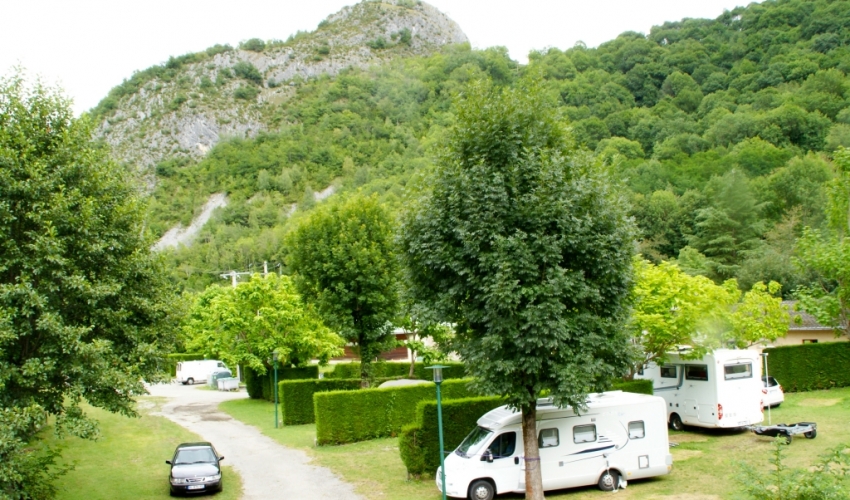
{"points": [[438, 372], [274, 356]]}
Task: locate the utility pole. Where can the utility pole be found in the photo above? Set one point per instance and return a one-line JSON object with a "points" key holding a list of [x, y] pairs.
{"points": [[265, 268], [233, 277]]}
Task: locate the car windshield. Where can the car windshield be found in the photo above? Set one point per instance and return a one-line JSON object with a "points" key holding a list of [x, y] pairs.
{"points": [[474, 442], [195, 456]]}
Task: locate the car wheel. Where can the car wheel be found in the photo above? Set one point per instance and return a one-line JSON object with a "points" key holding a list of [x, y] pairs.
{"points": [[676, 422], [190, 381], [787, 438], [171, 492], [811, 434], [609, 480], [481, 490]]}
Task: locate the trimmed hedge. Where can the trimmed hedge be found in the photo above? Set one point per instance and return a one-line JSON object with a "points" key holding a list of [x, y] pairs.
{"points": [[350, 416], [296, 397], [171, 360], [391, 369], [810, 367], [638, 386], [260, 386], [418, 443]]}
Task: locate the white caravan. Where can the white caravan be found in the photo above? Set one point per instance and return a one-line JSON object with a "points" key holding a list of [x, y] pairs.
{"points": [[621, 436], [721, 390], [190, 372]]}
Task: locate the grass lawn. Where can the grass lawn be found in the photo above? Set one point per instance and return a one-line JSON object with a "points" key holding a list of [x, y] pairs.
{"points": [[705, 462], [128, 462]]}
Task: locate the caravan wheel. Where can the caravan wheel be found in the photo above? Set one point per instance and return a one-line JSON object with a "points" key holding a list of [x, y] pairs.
{"points": [[609, 480], [482, 490], [676, 422], [190, 381]]}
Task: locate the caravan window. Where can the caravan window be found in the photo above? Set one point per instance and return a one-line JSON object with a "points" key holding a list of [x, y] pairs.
{"points": [[636, 430], [548, 438], [584, 434], [743, 370], [504, 445], [696, 372], [668, 371]]}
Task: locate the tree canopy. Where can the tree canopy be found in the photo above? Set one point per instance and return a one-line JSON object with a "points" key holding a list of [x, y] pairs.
{"points": [[84, 306]]}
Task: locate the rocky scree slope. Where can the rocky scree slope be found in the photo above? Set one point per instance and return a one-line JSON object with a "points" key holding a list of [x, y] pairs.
{"points": [[182, 108]]}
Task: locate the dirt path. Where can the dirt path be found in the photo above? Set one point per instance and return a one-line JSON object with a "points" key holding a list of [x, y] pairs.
{"points": [[268, 469]]}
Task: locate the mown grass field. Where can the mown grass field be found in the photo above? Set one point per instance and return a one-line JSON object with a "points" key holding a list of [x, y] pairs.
{"points": [[128, 462], [706, 462]]}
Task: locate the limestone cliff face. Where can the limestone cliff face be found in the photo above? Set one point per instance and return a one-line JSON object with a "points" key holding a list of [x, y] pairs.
{"points": [[183, 108]]}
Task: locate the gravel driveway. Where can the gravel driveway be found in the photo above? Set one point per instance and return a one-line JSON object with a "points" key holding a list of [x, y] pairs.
{"points": [[268, 469]]}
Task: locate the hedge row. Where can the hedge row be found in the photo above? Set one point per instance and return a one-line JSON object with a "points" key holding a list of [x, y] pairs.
{"points": [[296, 397], [810, 367], [350, 416], [260, 386], [171, 360], [419, 444], [638, 386], [352, 370]]}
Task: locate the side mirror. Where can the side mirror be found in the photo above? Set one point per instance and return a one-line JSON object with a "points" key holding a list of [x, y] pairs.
{"points": [[487, 456], [221, 458], [168, 462]]}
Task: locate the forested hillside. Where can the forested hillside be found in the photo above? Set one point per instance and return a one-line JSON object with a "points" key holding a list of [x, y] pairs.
{"points": [[721, 129]]}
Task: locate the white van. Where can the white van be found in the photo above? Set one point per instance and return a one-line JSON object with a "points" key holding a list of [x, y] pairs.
{"points": [[622, 436], [721, 390], [190, 372]]}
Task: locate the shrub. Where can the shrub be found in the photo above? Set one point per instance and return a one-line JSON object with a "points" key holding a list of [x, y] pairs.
{"points": [[352, 370], [260, 386], [246, 92], [171, 360], [419, 443], [296, 397], [637, 386], [254, 44], [246, 70], [350, 416], [378, 43], [810, 367]]}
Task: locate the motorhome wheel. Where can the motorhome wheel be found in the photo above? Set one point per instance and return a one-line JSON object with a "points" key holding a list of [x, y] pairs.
{"points": [[609, 480], [481, 490], [190, 381], [676, 422]]}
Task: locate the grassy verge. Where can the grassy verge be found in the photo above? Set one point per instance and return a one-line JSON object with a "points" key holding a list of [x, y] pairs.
{"points": [[128, 462], [705, 462]]}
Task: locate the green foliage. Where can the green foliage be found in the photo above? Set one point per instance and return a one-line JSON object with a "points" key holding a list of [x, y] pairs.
{"points": [[246, 92], [826, 480], [418, 442], [253, 44], [636, 386], [261, 385], [810, 367], [246, 70], [244, 325], [85, 309], [378, 43], [525, 247], [343, 257], [296, 397], [352, 370], [350, 416]]}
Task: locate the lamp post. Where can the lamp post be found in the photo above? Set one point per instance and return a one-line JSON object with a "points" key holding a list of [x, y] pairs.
{"points": [[438, 379], [765, 383], [274, 357]]}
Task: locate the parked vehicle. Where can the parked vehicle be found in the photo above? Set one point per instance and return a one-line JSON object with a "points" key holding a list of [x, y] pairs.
{"points": [[773, 395], [721, 390], [621, 436], [216, 374], [191, 372], [195, 468]]}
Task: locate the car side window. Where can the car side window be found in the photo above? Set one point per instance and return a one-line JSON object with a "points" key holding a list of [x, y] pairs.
{"points": [[584, 433], [503, 446], [548, 438]]}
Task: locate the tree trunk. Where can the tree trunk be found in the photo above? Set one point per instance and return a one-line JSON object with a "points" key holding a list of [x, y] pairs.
{"points": [[533, 477], [365, 371]]}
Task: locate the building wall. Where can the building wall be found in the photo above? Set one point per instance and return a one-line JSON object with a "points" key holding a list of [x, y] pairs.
{"points": [[798, 336]]}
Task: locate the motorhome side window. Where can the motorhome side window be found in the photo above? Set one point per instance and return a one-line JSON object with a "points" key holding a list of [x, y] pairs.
{"points": [[743, 370], [668, 371], [636, 430], [548, 438], [696, 372], [503, 446], [584, 434]]}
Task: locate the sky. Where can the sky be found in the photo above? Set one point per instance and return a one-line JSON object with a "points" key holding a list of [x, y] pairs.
{"points": [[89, 46]]}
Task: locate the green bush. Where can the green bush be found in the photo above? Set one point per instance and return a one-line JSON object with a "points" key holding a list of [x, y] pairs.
{"points": [[637, 386], [296, 397], [260, 386], [246, 70], [246, 92], [171, 360], [810, 367], [254, 44], [350, 416], [419, 444], [352, 370]]}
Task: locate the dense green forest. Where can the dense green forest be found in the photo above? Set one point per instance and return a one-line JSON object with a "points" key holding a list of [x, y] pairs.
{"points": [[722, 130]]}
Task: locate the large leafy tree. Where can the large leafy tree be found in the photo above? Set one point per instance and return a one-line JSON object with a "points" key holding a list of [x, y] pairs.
{"points": [[343, 256], [245, 324], [84, 306], [524, 246]]}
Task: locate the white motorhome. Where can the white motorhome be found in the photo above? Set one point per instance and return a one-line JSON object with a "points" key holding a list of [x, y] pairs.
{"points": [[190, 372], [621, 436], [723, 389]]}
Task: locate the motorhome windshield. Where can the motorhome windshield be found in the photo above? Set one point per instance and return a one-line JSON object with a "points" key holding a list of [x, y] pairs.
{"points": [[474, 442]]}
